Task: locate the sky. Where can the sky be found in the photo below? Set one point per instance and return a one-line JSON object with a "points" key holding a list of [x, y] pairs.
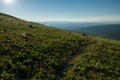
{"points": [[63, 10]]}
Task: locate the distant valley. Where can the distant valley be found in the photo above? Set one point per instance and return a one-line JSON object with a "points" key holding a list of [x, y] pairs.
{"points": [[107, 30]]}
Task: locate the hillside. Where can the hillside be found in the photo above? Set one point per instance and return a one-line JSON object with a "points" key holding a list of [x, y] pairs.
{"points": [[31, 51]]}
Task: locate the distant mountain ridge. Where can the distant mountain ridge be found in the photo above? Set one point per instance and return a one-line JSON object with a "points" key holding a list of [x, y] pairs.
{"points": [[106, 29], [111, 31]]}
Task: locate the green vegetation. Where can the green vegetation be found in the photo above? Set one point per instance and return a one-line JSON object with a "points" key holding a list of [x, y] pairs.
{"points": [[44, 53]]}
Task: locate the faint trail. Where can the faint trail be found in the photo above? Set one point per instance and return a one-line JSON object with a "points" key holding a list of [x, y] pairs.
{"points": [[67, 65], [69, 62]]}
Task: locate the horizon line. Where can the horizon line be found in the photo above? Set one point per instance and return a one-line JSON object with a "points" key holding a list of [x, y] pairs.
{"points": [[91, 19]]}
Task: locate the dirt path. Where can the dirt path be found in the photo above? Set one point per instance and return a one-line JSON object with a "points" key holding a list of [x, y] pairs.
{"points": [[71, 61], [68, 65]]}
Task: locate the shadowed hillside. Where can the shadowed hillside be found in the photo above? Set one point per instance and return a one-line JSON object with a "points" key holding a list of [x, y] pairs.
{"points": [[30, 51], [111, 31]]}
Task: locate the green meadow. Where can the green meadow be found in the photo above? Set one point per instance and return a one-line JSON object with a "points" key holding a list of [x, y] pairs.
{"points": [[32, 51]]}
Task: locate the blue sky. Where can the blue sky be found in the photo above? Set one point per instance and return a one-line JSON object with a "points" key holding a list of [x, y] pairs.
{"points": [[63, 10]]}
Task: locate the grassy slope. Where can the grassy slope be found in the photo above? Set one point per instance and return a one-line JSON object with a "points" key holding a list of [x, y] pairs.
{"points": [[50, 54]]}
